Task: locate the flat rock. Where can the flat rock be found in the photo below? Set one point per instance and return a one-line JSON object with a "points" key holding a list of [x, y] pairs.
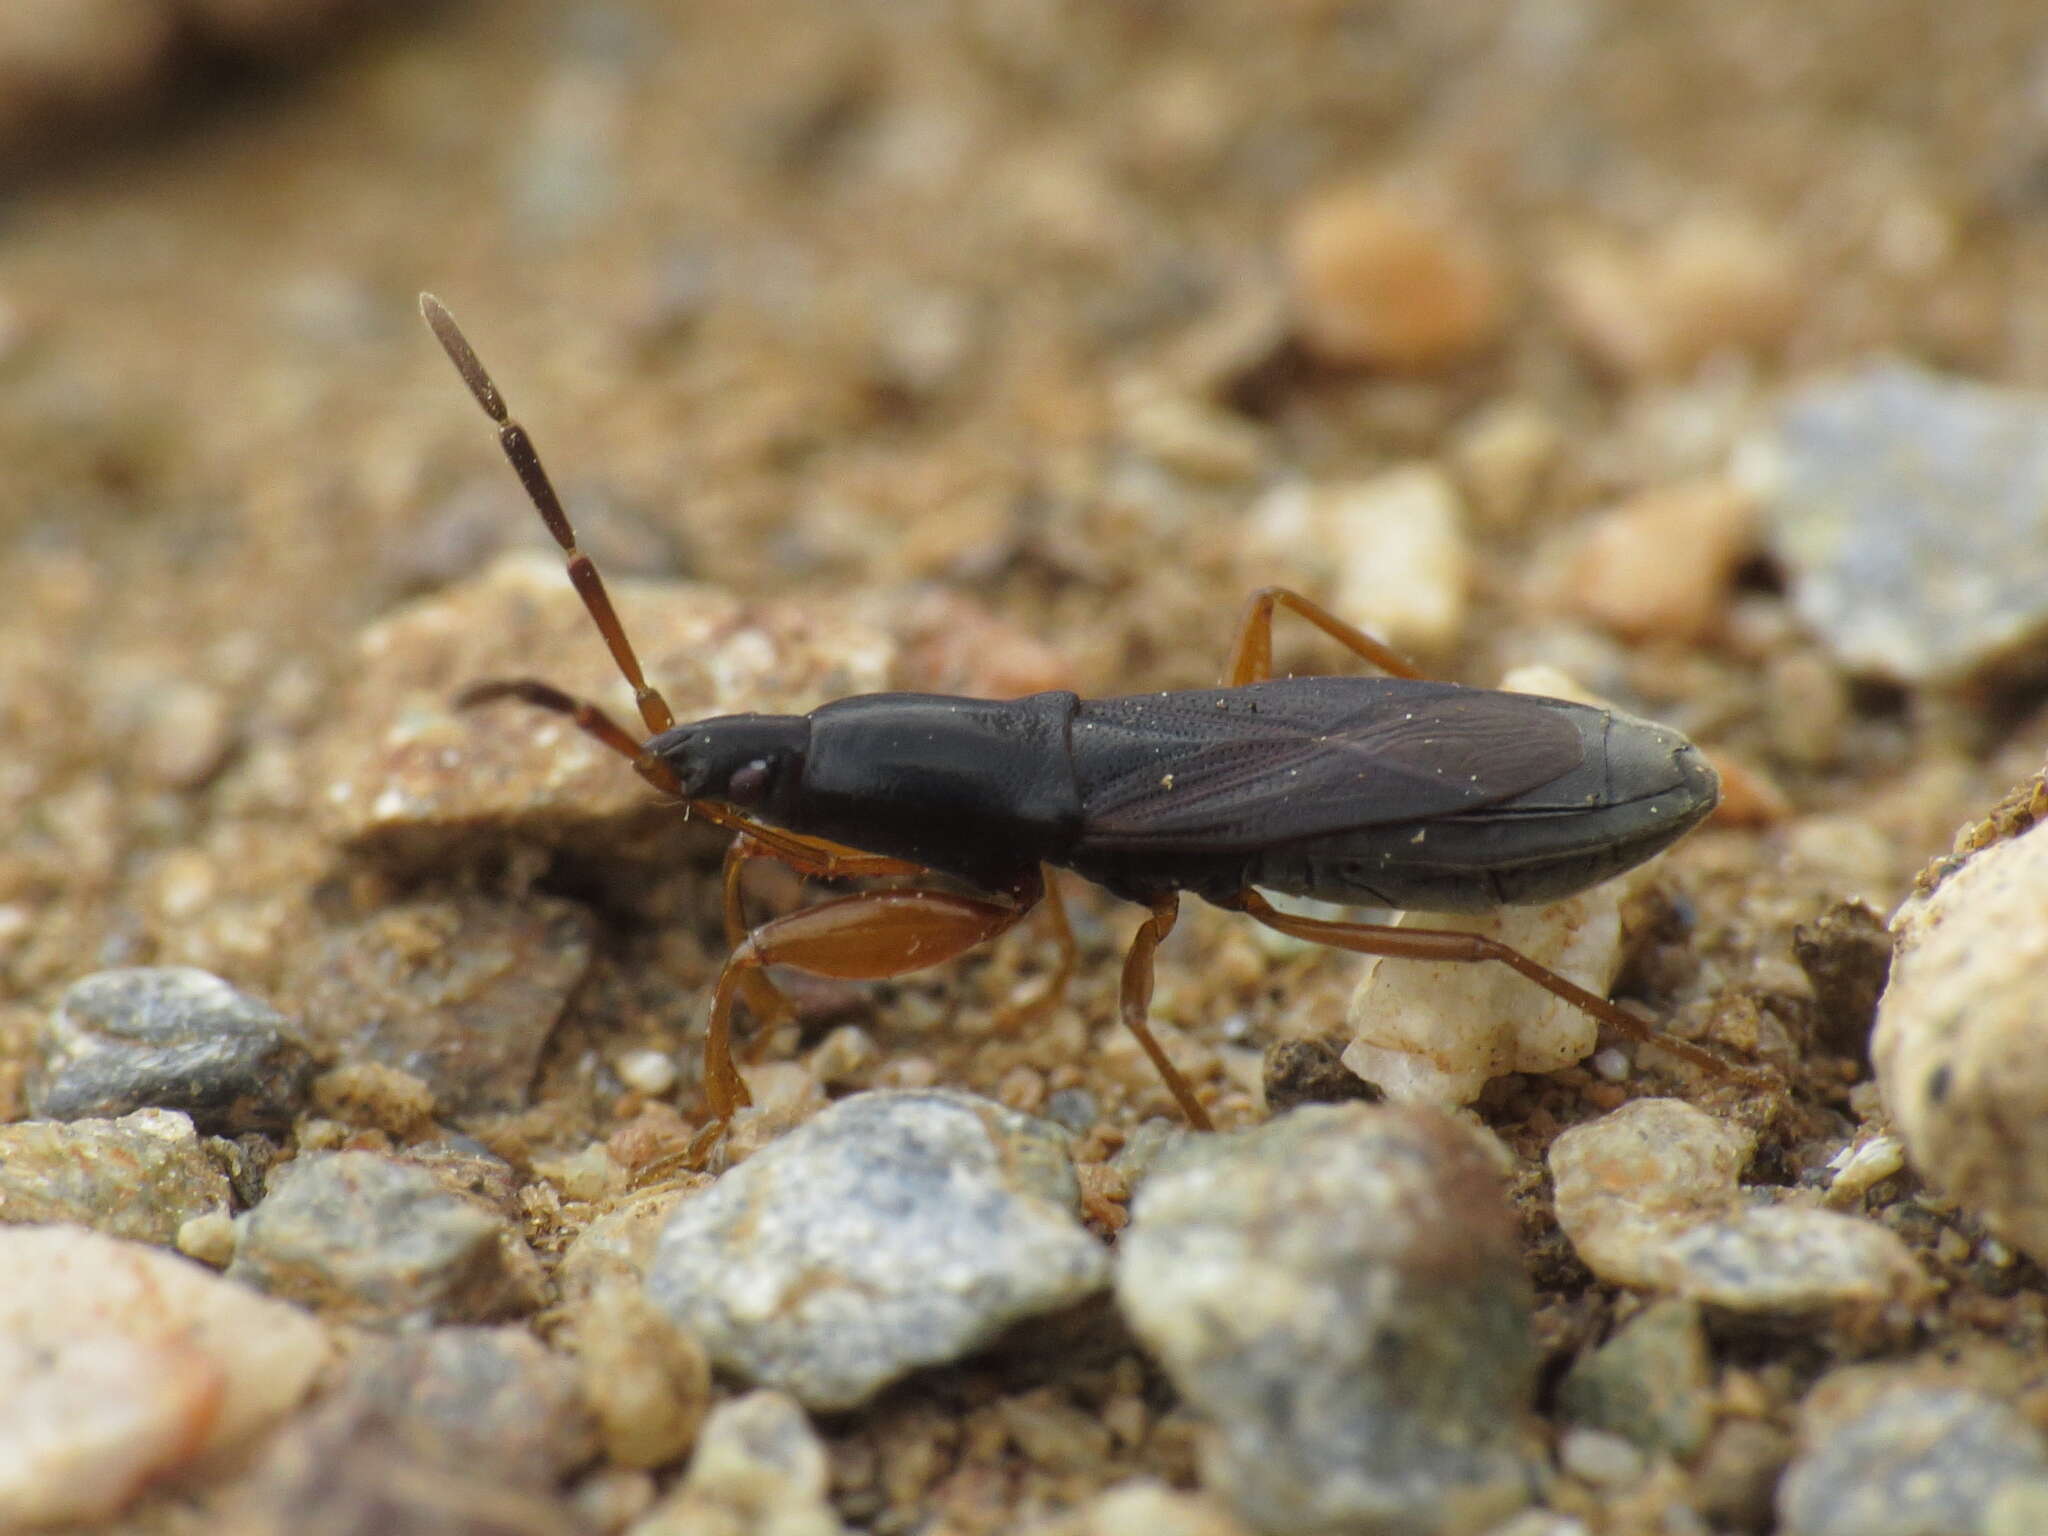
{"points": [[893, 1231], [1650, 1198], [371, 1239], [410, 780], [1340, 1293], [1905, 508], [1918, 1461], [124, 1364], [461, 993], [1958, 1041], [142, 1176], [168, 1037]]}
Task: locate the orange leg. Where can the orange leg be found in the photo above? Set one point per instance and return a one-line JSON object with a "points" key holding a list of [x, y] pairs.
{"points": [[1047, 996], [1137, 1003], [1251, 659], [858, 938], [764, 999], [1449, 944]]}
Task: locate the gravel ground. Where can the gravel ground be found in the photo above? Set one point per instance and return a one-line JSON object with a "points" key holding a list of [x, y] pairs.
{"points": [[1694, 354]]}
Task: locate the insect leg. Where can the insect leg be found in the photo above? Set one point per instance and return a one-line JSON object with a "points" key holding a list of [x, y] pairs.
{"points": [[765, 1000], [1251, 658], [1137, 1003], [1055, 986], [868, 937], [1449, 944]]}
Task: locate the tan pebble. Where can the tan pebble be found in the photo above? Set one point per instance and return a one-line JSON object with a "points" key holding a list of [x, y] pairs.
{"points": [[209, 1238], [1749, 796], [1378, 282], [1809, 707], [1661, 565], [1707, 283], [1504, 456], [646, 1377], [1958, 1040]]}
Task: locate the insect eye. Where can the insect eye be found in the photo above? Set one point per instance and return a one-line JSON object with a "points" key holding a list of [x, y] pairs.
{"points": [[749, 784]]}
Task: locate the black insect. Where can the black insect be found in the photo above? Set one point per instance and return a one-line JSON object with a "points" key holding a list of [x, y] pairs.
{"points": [[1391, 790]]}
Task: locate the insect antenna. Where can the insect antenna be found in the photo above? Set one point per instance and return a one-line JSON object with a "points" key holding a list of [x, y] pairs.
{"points": [[540, 490], [583, 575]]}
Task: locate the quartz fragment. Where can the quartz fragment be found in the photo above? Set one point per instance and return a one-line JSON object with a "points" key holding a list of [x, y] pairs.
{"points": [[123, 1364], [893, 1231]]}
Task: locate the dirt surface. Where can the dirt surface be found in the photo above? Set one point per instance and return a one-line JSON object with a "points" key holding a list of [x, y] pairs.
{"points": [[980, 317]]}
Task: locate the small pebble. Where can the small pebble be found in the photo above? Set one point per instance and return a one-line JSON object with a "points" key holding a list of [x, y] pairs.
{"points": [[1904, 508], [647, 1071], [124, 1364], [145, 1176], [168, 1037], [1958, 1041], [1340, 1293], [647, 1379], [1504, 457], [460, 993], [1145, 1507], [892, 1231], [1917, 1461], [492, 1400], [373, 1240], [1661, 566], [1597, 1457], [209, 1238], [184, 735], [1809, 709], [1379, 282], [1391, 551], [1650, 1383], [1649, 1197], [759, 1467], [353, 1464], [1704, 284]]}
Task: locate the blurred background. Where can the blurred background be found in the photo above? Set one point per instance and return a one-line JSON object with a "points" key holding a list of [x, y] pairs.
{"points": [[1558, 331]]}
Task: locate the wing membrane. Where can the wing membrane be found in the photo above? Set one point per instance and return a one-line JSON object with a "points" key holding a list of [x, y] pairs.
{"points": [[1240, 768]]}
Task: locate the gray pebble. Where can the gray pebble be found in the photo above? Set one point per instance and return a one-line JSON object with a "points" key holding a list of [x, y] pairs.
{"points": [[374, 1240], [1650, 1383], [1917, 1461], [1341, 1292], [462, 993], [142, 1176], [492, 1400], [1906, 510], [346, 1470], [168, 1037], [895, 1230]]}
